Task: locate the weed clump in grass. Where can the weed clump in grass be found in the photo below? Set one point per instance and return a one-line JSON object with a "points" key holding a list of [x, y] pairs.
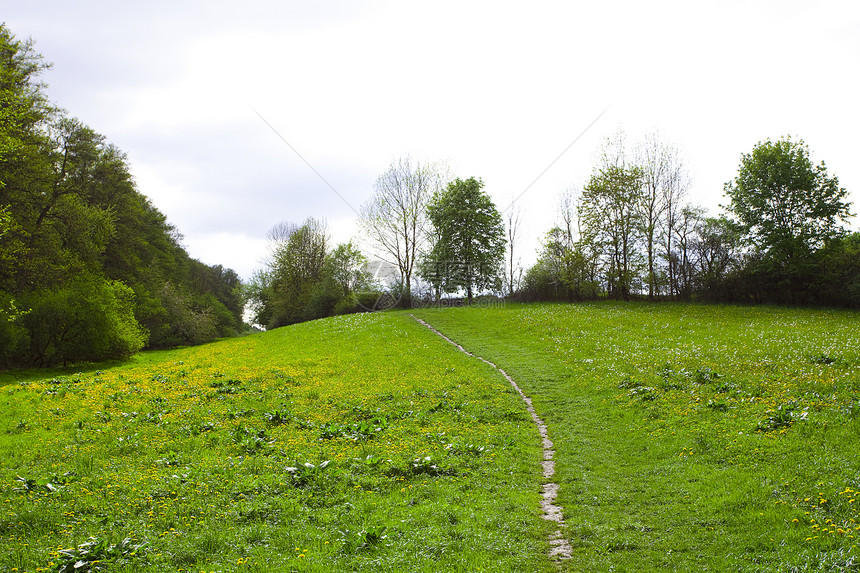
{"points": [[95, 555], [363, 539], [422, 466], [784, 416]]}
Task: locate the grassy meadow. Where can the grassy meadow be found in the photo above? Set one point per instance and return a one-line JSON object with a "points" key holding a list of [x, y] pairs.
{"points": [[355, 443], [689, 438]]}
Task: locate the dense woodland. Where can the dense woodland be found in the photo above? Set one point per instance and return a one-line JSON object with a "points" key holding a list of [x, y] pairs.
{"points": [[89, 268]]}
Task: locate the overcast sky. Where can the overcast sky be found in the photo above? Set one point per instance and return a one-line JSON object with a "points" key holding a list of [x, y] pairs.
{"points": [[498, 89]]}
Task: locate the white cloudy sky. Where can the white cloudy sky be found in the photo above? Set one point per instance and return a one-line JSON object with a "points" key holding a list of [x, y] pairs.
{"points": [[498, 89]]}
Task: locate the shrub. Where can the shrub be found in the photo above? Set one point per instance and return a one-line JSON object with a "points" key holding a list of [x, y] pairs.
{"points": [[88, 319]]}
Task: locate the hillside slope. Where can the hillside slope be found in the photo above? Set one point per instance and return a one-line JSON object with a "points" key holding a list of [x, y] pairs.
{"points": [[690, 437], [341, 444]]}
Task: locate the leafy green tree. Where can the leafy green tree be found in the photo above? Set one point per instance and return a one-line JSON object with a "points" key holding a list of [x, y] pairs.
{"points": [[303, 279], [788, 208], [783, 202], [80, 246], [24, 106], [609, 215], [469, 239], [563, 270], [295, 267], [839, 275], [346, 266]]}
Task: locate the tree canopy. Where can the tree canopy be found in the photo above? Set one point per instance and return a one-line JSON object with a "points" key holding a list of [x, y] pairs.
{"points": [[784, 203], [630, 233], [468, 239], [787, 209], [89, 268], [305, 278]]}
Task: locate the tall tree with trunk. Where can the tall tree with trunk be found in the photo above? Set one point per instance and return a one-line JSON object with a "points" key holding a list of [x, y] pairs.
{"points": [[513, 269], [610, 217], [788, 209], [395, 218], [296, 266], [470, 239], [686, 232], [663, 185], [784, 202]]}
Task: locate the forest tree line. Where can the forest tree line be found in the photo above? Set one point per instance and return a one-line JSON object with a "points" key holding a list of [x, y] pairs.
{"points": [[631, 233], [628, 233], [89, 268]]}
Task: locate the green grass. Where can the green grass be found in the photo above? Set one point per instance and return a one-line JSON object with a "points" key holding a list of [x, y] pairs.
{"points": [[355, 443], [690, 438]]}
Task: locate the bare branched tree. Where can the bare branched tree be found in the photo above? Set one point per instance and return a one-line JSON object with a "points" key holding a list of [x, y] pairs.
{"points": [[655, 161], [394, 219], [674, 192], [514, 269], [569, 218], [665, 184]]}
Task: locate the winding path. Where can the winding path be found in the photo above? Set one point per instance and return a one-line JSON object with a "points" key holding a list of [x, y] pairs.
{"points": [[560, 547]]}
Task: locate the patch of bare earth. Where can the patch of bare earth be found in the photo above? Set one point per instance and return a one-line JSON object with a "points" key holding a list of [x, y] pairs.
{"points": [[560, 548]]}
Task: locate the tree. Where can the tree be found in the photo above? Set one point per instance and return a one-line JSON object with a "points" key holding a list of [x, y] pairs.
{"points": [[469, 238], [716, 247], [513, 270], [787, 208], [784, 203], [563, 271], [682, 261], [304, 279], [88, 318], [663, 186], [609, 214], [89, 268], [24, 106], [395, 217], [345, 266], [840, 272], [296, 266]]}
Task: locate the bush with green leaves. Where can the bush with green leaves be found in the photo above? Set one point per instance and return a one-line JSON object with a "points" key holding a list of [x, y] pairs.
{"points": [[87, 319]]}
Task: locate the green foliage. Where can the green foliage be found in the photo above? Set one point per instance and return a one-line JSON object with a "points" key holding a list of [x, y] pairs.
{"points": [[782, 417], [363, 539], [839, 272], [88, 319], [786, 205], [608, 210], [564, 271], [23, 104], [69, 208], [788, 209], [97, 555], [304, 280], [345, 266], [468, 239]]}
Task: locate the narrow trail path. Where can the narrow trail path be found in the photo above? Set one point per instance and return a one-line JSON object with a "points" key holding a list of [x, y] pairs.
{"points": [[560, 547]]}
